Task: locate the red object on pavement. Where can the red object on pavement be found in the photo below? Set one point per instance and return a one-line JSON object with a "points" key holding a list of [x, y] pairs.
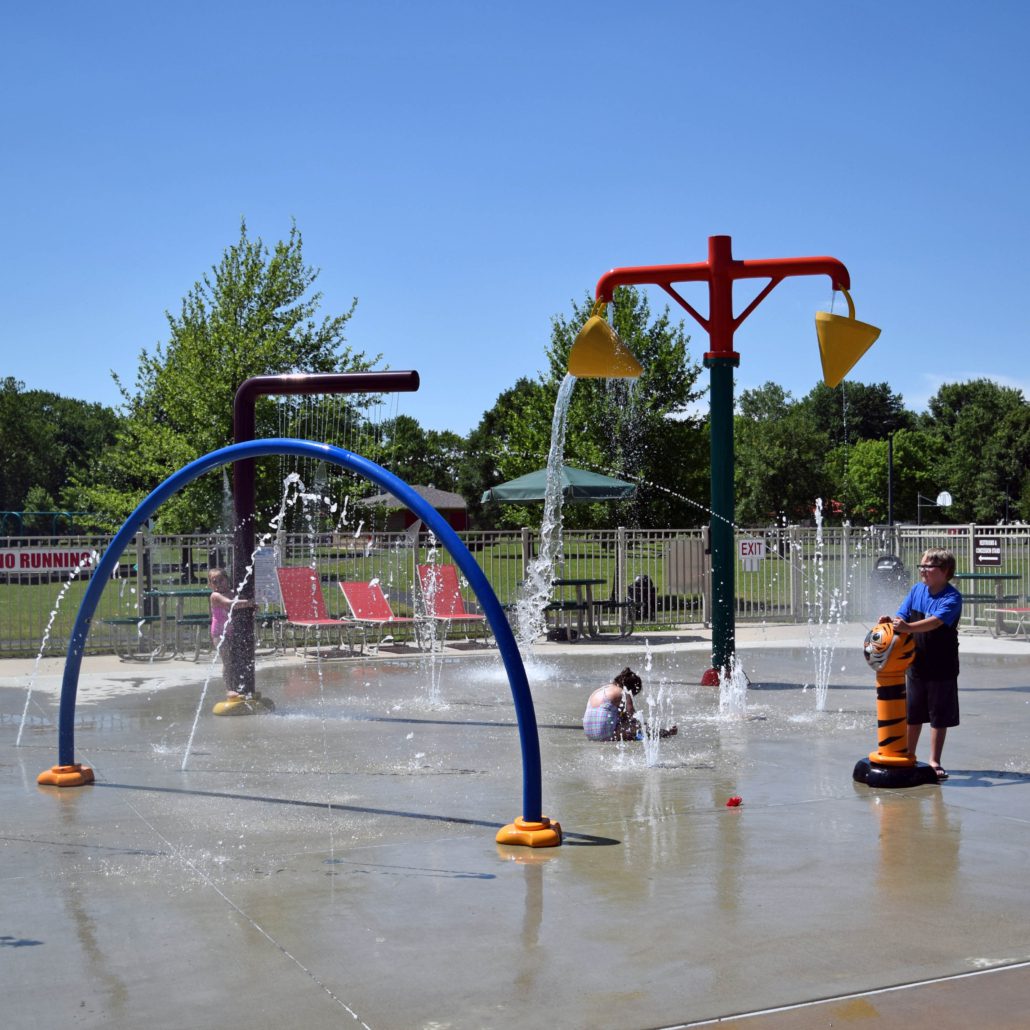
{"points": [[734, 801]]}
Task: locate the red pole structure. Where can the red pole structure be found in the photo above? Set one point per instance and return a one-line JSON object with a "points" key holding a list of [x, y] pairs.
{"points": [[244, 427], [721, 271]]}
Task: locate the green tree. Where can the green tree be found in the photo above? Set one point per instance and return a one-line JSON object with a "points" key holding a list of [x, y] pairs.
{"points": [[48, 440], [984, 457], [779, 467], [857, 411], [253, 314], [504, 445], [859, 470], [427, 457], [638, 429]]}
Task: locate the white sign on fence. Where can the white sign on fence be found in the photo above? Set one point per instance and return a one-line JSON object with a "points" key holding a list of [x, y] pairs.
{"points": [[35, 561], [751, 552], [266, 583], [987, 550]]}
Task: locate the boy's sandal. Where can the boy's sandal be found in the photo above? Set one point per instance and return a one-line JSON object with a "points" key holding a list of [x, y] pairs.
{"points": [[942, 773]]}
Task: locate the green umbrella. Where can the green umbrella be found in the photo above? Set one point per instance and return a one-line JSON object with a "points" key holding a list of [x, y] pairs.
{"points": [[576, 485]]}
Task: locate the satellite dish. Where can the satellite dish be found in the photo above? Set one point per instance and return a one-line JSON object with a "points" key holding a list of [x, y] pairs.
{"points": [[944, 499]]}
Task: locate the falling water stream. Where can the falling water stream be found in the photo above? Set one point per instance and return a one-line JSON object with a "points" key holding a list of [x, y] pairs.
{"points": [[536, 590]]}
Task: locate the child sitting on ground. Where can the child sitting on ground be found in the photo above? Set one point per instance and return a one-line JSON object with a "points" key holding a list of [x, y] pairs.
{"points": [[610, 715]]}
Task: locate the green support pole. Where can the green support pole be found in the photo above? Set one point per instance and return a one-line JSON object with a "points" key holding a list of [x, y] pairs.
{"points": [[723, 557]]}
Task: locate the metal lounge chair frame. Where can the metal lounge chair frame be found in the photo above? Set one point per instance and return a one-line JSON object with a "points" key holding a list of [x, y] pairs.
{"points": [[441, 600], [304, 602], [369, 606]]}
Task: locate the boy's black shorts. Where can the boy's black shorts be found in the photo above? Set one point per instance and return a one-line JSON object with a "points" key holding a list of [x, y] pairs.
{"points": [[932, 701]]}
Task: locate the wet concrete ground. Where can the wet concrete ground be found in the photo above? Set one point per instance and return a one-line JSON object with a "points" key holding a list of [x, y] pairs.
{"points": [[334, 863]]}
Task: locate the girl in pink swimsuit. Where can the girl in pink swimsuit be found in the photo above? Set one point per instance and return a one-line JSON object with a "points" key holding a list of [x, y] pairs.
{"points": [[222, 606]]}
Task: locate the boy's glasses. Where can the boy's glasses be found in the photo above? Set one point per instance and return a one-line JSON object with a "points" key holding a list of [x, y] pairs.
{"points": [[930, 567]]}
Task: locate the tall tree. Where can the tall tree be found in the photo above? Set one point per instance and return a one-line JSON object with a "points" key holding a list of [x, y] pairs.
{"points": [[48, 440], [780, 451], [428, 457], [252, 314], [859, 473], [506, 444], [984, 460], [857, 411]]}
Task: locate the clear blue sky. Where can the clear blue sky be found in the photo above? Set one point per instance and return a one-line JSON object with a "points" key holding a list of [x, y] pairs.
{"points": [[467, 169]]}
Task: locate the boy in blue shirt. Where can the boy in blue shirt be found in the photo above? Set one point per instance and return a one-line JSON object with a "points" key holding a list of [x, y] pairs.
{"points": [[930, 613]]}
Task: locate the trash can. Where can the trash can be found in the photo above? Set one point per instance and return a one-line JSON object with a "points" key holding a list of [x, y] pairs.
{"points": [[644, 596], [889, 583], [889, 571]]}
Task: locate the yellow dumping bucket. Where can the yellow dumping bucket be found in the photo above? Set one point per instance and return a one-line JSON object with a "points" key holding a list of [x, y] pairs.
{"points": [[842, 341], [598, 353]]}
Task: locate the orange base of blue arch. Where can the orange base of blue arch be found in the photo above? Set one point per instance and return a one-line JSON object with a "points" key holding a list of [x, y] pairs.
{"points": [[542, 833], [74, 775]]}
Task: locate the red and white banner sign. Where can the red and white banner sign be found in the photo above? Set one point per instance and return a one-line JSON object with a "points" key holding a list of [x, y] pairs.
{"points": [[36, 561]]}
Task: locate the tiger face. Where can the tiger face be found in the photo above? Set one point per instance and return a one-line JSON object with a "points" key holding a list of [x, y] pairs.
{"points": [[888, 652]]}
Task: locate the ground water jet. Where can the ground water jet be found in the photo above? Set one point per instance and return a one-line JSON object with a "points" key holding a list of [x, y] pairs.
{"points": [[825, 619], [90, 560], [733, 687]]}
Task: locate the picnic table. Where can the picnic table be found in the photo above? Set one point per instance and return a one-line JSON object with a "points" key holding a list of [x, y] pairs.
{"points": [[179, 596], [585, 604], [582, 605]]}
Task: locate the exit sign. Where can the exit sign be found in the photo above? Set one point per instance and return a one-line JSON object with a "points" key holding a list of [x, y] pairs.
{"points": [[751, 552]]}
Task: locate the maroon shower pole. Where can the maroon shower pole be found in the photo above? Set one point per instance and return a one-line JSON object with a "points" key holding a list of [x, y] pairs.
{"points": [[243, 427]]}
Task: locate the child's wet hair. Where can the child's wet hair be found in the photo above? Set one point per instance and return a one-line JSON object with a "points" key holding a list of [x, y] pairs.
{"points": [[629, 680]]}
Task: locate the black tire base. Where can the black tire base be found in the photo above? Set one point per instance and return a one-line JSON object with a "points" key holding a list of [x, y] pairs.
{"points": [[872, 775]]}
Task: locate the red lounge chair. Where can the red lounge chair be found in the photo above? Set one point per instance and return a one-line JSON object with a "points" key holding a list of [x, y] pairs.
{"points": [[442, 600], [369, 607], [305, 605]]}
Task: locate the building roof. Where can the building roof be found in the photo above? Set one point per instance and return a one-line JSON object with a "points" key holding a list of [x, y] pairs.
{"points": [[441, 500]]}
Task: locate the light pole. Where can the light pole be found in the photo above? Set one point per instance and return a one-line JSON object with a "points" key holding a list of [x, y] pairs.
{"points": [[890, 481], [720, 272]]}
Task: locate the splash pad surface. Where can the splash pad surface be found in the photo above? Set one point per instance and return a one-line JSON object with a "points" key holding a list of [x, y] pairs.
{"points": [[338, 857]]}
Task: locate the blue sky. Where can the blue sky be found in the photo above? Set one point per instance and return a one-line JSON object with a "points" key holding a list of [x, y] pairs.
{"points": [[467, 169]]}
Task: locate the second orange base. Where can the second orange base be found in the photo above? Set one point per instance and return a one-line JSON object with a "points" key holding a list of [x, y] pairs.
{"points": [[66, 776]]}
